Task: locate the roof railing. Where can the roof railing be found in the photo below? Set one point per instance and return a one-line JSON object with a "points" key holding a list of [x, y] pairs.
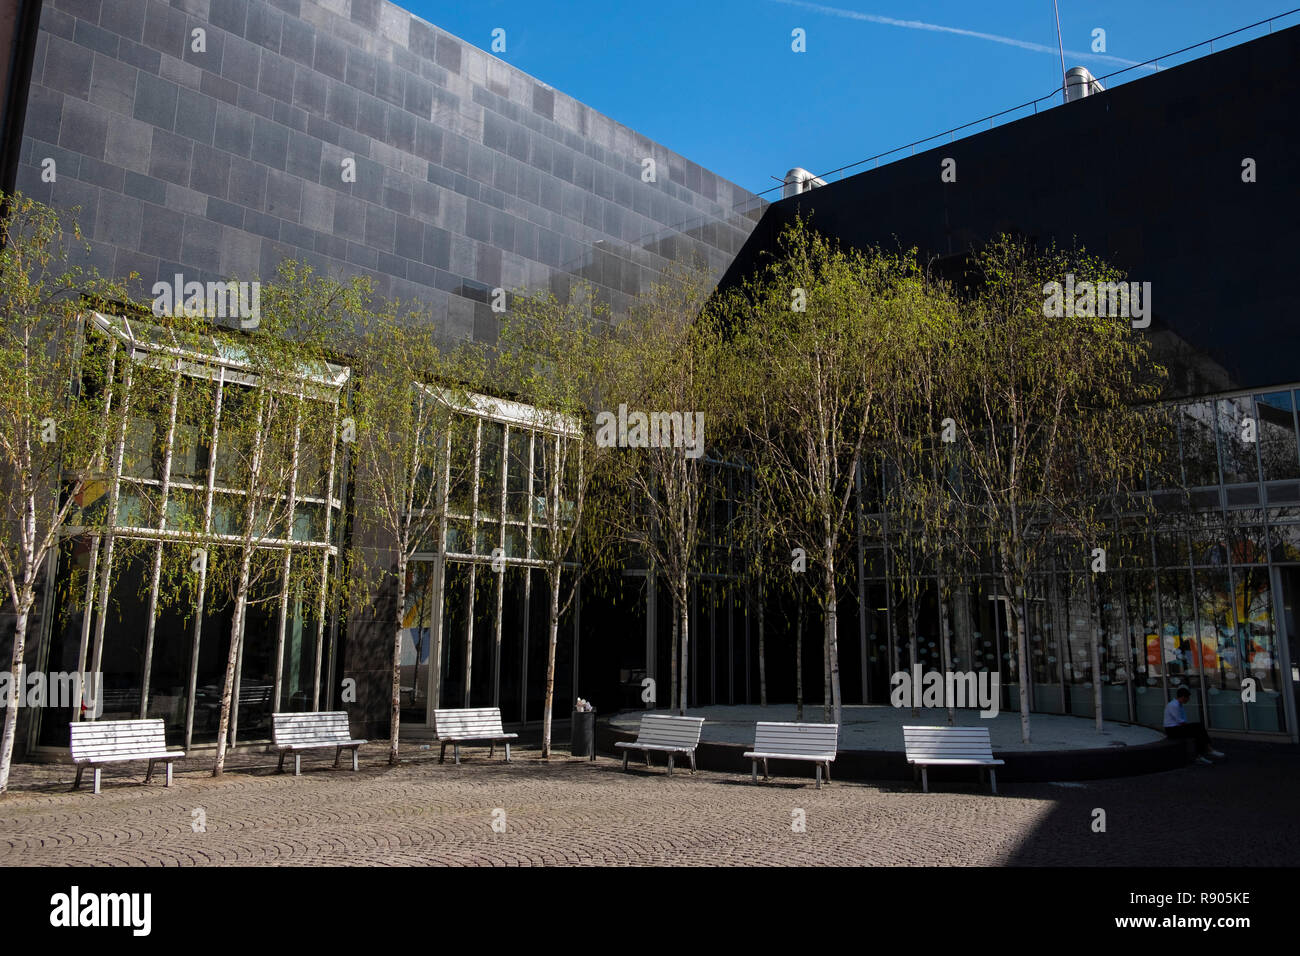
{"points": [[1050, 99]]}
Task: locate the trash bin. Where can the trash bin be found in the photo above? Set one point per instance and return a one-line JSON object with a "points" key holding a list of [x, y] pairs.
{"points": [[583, 739]]}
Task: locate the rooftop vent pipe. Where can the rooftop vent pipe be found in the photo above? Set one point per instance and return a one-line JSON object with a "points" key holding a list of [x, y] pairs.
{"points": [[1080, 83], [799, 180]]}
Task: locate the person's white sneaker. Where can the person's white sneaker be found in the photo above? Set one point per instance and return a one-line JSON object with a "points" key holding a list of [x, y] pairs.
{"points": [[1217, 753], [1204, 760]]}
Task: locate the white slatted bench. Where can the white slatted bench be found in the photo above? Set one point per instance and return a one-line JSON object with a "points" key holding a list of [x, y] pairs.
{"points": [[666, 733], [313, 730], [950, 747], [815, 743], [470, 724], [97, 742]]}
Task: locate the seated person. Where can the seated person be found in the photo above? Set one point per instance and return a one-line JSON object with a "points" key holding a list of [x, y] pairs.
{"points": [[1177, 727]]}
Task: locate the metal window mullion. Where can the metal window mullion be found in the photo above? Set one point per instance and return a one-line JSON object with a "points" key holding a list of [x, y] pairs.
{"points": [[528, 576], [203, 565], [440, 570], [1063, 602], [1285, 660], [1127, 631], [330, 477], [473, 548], [862, 584], [156, 571], [500, 575], [88, 614], [265, 409], [1160, 623], [115, 490], [577, 628], [277, 683], [1197, 624]]}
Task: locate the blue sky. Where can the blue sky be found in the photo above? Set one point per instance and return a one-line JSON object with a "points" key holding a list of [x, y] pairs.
{"points": [[717, 81]]}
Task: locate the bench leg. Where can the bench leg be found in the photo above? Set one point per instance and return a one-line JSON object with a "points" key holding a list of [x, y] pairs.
{"points": [[625, 753], [492, 748], [148, 774], [442, 755], [455, 750], [507, 751], [646, 754], [993, 781], [169, 774], [97, 769], [670, 764], [338, 753], [280, 766], [819, 776], [754, 772], [355, 766], [693, 770], [925, 780], [297, 764], [828, 771], [766, 776], [76, 784]]}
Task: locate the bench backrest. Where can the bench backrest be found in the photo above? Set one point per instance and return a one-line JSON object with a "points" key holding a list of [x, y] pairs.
{"points": [[948, 743], [804, 740], [116, 738], [304, 728], [255, 693], [468, 722], [667, 730], [116, 700]]}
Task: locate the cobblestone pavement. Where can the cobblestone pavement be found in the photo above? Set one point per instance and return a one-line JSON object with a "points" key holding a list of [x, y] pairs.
{"points": [[1242, 811]]}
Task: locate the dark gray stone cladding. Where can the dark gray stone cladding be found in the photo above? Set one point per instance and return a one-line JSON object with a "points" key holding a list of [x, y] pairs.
{"points": [[470, 174]]}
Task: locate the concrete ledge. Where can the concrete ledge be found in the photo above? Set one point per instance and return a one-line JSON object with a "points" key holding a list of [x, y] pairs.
{"points": [[866, 765]]}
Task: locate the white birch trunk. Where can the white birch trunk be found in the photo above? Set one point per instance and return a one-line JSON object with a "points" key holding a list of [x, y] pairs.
{"points": [[684, 611], [832, 635], [798, 666], [17, 683], [232, 658], [552, 643], [395, 689]]}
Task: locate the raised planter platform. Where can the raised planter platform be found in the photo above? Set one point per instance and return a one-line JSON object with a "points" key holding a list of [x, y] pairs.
{"points": [[1022, 766]]}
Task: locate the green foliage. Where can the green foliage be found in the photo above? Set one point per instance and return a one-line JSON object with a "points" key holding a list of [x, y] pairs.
{"points": [[53, 438]]}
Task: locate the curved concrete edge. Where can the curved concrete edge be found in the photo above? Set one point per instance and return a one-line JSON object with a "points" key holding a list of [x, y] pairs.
{"points": [[866, 765]]}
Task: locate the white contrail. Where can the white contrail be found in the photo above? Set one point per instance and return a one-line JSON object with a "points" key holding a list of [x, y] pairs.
{"points": [[959, 31]]}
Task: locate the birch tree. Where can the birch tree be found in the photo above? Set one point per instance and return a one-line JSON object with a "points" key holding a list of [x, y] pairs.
{"points": [[283, 406], [403, 408], [916, 446], [813, 333], [1047, 421], [553, 353], [53, 432], [666, 368]]}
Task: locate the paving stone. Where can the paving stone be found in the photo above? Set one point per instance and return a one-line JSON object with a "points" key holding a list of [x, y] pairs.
{"points": [[574, 812]]}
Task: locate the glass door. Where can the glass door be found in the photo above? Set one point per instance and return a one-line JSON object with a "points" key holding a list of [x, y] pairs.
{"points": [[1288, 588]]}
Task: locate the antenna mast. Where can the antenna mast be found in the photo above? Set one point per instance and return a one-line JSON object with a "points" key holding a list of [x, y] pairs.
{"points": [[1060, 46]]}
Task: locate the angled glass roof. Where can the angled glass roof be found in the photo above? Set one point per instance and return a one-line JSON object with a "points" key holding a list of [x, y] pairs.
{"points": [[203, 349], [504, 410]]}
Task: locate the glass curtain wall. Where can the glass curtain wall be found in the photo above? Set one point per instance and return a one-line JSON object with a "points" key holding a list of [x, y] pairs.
{"points": [[159, 635], [476, 621], [1203, 601]]}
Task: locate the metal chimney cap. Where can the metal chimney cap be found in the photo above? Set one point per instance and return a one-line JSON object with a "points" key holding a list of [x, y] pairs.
{"points": [[799, 180], [1079, 82]]}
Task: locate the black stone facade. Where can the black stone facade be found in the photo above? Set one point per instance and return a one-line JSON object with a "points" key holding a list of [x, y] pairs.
{"points": [[469, 174]]}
